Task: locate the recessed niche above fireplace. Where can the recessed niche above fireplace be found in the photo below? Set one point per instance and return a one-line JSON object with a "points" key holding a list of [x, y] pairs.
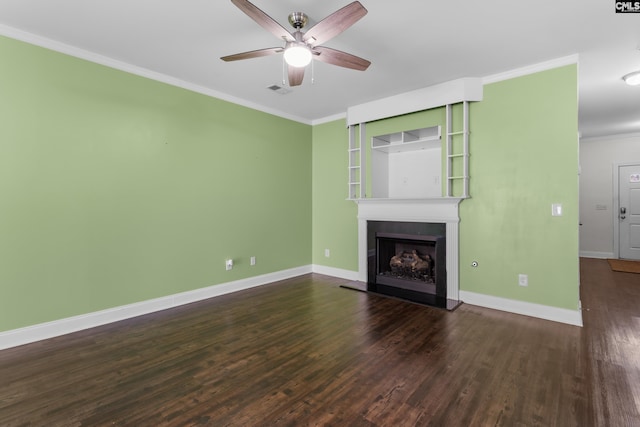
{"points": [[407, 164], [422, 163]]}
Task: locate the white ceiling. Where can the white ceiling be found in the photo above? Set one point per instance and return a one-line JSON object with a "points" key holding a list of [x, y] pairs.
{"points": [[411, 44]]}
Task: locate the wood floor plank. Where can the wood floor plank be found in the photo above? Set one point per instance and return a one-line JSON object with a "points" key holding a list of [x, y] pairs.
{"points": [[305, 351]]}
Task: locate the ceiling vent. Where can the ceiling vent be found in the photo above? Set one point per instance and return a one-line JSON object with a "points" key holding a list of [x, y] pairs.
{"points": [[279, 89]]}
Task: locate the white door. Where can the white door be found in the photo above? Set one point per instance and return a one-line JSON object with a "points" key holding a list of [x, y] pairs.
{"points": [[629, 211]]}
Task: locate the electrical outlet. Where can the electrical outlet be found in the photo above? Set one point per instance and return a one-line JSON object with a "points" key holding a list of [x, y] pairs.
{"points": [[229, 264], [523, 280], [327, 253], [253, 260]]}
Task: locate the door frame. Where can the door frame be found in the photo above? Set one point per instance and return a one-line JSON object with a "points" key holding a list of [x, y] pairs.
{"points": [[616, 205]]}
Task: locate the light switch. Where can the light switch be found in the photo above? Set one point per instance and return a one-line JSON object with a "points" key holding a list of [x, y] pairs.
{"points": [[556, 209]]}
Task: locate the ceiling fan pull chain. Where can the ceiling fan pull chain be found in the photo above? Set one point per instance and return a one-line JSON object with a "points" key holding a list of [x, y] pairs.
{"points": [[313, 72]]}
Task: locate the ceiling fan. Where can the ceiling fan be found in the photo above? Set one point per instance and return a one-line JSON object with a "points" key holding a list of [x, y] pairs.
{"points": [[301, 47]]}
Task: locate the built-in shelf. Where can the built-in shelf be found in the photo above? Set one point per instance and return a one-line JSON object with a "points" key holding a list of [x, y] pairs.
{"points": [[407, 164], [417, 139], [357, 163], [458, 160]]}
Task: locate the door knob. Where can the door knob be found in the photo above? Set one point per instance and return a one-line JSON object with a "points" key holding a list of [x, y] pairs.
{"points": [[623, 212]]}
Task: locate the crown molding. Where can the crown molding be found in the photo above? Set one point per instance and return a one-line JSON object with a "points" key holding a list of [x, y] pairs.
{"points": [[610, 137], [531, 69], [106, 61], [329, 119]]}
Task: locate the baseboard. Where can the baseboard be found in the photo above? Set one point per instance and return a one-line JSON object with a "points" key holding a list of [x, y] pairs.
{"points": [[29, 334], [562, 315], [599, 255], [335, 272]]}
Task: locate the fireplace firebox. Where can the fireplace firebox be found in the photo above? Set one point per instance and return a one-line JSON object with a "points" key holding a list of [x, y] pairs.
{"points": [[408, 260]]}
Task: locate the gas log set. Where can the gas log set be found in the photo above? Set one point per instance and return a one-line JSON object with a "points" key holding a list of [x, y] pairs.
{"points": [[411, 265], [408, 260]]}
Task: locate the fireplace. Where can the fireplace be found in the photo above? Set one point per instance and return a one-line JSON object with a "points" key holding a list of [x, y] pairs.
{"points": [[436, 217], [408, 260]]}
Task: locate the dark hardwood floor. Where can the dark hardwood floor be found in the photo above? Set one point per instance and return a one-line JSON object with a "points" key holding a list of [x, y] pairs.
{"points": [[307, 352]]}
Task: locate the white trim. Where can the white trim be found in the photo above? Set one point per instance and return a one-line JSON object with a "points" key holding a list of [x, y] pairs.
{"points": [[598, 255], [616, 208], [436, 210], [472, 86], [451, 92], [29, 334], [610, 137], [76, 52], [335, 272], [329, 119], [556, 314], [531, 69], [616, 204]]}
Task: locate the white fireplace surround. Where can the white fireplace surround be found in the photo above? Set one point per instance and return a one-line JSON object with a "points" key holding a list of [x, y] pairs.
{"points": [[436, 210]]}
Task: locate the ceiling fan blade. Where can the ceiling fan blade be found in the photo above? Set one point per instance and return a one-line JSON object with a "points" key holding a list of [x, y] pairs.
{"points": [[252, 54], [296, 74], [340, 58], [264, 20], [334, 24]]}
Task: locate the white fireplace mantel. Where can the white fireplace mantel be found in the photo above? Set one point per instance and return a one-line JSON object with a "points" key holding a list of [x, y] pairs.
{"points": [[435, 210]]}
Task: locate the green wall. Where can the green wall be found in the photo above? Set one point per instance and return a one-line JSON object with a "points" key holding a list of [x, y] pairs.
{"points": [[335, 219], [117, 189], [524, 157]]}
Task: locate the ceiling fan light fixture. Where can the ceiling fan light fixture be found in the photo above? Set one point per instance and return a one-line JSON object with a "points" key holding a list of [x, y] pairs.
{"points": [[297, 55], [301, 48], [632, 79]]}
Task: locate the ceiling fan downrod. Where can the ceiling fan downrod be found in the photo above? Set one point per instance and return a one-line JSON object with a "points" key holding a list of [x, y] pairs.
{"points": [[298, 20]]}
